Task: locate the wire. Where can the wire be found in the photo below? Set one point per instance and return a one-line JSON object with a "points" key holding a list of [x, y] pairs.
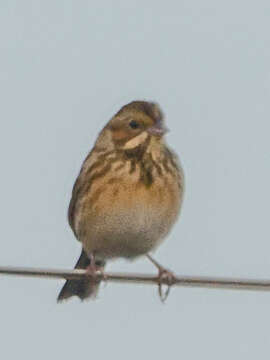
{"points": [[186, 281]]}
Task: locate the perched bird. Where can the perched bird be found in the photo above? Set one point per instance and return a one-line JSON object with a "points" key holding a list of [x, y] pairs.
{"points": [[128, 193]]}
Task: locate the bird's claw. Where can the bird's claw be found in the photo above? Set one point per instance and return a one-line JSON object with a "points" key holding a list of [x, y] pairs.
{"points": [[165, 277], [96, 272]]}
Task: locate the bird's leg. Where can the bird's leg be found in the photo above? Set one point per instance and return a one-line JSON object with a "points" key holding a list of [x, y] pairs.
{"points": [[165, 276], [92, 268]]}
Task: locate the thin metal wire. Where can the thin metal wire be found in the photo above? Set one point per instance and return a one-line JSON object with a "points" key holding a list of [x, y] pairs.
{"points": [[186, 281]]}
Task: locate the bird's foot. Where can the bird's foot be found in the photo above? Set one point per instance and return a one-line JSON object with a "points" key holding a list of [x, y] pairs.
{"points": [[92, 270], [165, 277], [96, 270]]}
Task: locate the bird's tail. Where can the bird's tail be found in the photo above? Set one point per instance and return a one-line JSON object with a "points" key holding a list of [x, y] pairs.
{"points": [[84, 288]]}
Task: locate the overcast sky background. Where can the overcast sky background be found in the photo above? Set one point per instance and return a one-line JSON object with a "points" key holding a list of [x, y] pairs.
{"points": [[65, 68]]}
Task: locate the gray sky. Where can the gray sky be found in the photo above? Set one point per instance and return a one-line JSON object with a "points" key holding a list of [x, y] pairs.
{"points": [[65, 68]]}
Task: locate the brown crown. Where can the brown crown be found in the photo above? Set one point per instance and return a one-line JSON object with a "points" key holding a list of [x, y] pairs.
{"points": [[149, 108]]}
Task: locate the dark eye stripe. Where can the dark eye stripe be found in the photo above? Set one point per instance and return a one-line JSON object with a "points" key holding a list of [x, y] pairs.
{"points": [[133, 124]]}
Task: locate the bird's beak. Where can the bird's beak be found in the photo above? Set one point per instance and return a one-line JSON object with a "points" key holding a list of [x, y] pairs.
{"points": [[158, 129]]}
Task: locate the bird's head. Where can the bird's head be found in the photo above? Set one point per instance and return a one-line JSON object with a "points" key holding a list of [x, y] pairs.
{"points": [[136, 122]]}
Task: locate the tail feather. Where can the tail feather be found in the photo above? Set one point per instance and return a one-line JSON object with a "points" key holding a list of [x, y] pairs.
{"points": [[82, 288]]}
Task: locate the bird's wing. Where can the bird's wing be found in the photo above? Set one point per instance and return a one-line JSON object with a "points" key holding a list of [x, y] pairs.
{"points": [[77, 191]]}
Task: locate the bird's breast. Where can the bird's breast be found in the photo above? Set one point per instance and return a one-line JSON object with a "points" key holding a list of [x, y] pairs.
{"points": [[129, 209]]}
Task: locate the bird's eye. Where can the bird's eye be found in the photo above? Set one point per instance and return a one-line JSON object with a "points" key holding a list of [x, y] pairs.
{"points": [[134, 124]]}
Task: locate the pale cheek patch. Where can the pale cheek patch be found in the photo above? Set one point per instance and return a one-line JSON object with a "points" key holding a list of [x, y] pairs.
{"points": [[136, 141]]}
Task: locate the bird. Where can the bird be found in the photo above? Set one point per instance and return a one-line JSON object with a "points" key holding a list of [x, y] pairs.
{"points": [[127, 196]]}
